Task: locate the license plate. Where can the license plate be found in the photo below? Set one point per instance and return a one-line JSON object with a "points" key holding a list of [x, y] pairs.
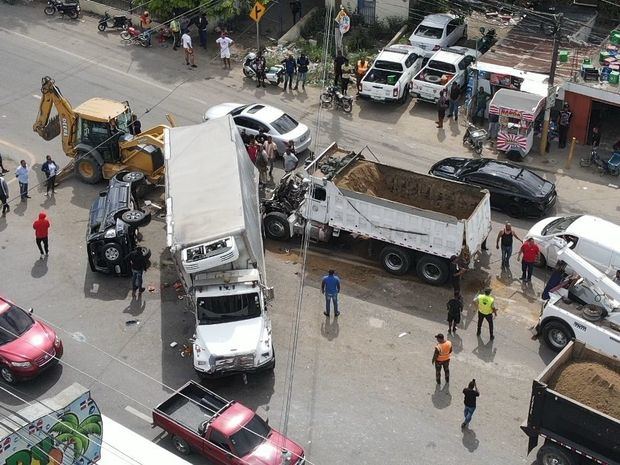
{"points": [[375, 97]]}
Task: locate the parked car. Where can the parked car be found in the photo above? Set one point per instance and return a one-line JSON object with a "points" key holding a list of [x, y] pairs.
{"points": [[594, 239], [27, 346], [438, 31], [515, 190], [113, 222], [279, 125], [389, 77]]}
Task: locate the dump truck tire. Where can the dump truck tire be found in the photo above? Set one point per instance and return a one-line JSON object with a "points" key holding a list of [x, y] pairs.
{"points": [[432, 270], [88, 170], [550, 454], [395, 260]]}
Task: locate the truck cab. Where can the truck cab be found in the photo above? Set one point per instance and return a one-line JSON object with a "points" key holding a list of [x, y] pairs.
{"points": [[389, 77], [587, 309], [233, 329]]}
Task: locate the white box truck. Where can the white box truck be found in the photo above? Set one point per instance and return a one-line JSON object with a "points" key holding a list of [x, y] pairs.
{"points": [[214, 234], [415, 219]]}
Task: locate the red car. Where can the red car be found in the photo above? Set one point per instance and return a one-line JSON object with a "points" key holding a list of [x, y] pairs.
{"points": [[27, 346]]}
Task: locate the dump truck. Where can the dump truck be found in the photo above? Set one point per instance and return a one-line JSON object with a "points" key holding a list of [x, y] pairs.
{"points": [[96, 136], [575, 408], [225, 432], [214, 235], [414, 220]]}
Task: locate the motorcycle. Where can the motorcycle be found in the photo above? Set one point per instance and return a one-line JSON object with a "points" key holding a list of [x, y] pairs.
{"points": [[475, 137], [610, 166], [114, 22], [72, 10], [274, 75], [488, 39], [333, 96], [133, 36]]}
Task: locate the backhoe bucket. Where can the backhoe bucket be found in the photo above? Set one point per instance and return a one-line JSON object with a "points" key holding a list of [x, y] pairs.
{"points": [[51, 130]]}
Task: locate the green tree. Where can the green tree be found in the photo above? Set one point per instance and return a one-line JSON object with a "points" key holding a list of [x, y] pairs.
{"points": [[221, 9]]}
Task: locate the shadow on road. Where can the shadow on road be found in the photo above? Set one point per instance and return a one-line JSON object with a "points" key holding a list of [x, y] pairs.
{"points": [[441, 397], [39, 268], [470, 441]]}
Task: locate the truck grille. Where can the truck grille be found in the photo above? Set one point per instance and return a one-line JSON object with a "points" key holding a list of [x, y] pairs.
{"points": [[238, 362], [45, 358]]}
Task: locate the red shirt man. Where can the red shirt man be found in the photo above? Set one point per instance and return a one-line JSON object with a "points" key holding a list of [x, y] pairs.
{"points": [[528, 254], [41, 227]]}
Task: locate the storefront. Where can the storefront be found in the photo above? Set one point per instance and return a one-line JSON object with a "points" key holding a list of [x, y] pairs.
{"points": [[594, 104]]}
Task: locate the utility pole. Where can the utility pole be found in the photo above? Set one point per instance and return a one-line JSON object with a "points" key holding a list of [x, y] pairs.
{"points": [[557, 30]]}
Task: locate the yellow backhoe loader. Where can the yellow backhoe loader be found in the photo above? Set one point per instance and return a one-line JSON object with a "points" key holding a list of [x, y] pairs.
{"points": [[96, 136]]}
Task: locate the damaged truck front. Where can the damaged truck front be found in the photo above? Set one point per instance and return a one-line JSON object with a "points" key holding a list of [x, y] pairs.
{"points": [[214, 234]]}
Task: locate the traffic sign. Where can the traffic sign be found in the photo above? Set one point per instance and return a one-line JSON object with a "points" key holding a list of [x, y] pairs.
{"points": [[257, 11]]}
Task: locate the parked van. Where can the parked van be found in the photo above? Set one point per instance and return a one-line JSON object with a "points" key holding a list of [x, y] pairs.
{"points": [[596, 240]]}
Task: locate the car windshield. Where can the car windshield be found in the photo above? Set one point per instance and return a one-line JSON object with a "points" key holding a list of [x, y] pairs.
{"points": [[225, 308], [284, 124], [13, 323], [388, 65], [559, 225], [251, 436], [429, 32], [530, 181], [471, 166]]}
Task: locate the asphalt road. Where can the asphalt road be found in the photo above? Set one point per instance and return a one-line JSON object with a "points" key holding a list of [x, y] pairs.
{"points": [[364, 389]]}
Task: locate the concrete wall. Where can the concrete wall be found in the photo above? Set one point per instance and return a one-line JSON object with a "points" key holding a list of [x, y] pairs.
{"points": [[391, 8], [294, 33]]}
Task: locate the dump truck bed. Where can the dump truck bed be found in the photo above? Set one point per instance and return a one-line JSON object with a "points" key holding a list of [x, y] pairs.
{"points": [[576, 403], [400, 207]]}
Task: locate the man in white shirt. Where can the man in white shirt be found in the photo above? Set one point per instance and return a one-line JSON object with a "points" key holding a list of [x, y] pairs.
{"points": [[21, 173], [186, 40], [290, 160], [225, 42]]}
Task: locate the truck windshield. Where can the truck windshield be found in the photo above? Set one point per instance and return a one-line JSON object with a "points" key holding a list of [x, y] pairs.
{"points": [[13, 323], [251, 436], [441, 66], [559, 225], [214, 310]]}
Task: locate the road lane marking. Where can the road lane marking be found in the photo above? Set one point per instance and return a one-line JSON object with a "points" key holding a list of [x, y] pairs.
{"points": [[138, 414], [88, 60]]}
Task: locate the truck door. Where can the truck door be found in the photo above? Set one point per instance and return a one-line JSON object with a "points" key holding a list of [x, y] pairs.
{"points": [[317, 203], [217, 447]]}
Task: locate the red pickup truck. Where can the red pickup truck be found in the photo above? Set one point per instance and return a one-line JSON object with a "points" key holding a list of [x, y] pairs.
{"points": [[225, 432]]}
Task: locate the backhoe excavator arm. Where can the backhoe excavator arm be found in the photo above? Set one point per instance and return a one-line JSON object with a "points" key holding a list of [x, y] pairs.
{"points": [[64, 124]]}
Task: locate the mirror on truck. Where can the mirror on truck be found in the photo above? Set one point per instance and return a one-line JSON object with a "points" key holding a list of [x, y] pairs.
{"points": [[269, 295], [31, 310]]}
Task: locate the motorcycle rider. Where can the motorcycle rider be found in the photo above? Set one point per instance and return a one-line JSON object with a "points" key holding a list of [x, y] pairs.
{"points": [[260, 65]]}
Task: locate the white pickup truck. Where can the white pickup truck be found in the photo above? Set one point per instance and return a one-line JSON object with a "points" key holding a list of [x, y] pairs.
{"points": [[589, 310], [389, 77], [443, 68]]}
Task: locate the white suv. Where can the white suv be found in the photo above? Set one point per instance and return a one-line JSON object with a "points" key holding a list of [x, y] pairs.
{"points": [[438, 31]]}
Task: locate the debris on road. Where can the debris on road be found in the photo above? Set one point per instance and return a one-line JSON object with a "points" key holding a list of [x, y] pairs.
{"points": [[132, 322]]}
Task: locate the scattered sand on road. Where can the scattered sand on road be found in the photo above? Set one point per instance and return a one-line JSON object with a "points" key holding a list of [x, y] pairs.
{"points": [[590, 383]]}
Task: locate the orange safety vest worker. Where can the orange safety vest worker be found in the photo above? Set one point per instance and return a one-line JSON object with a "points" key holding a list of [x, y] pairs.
{"points": [[445, 350]]}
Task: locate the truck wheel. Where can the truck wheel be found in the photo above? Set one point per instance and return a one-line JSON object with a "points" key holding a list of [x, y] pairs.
{"points": [[514, 210], [181, 445], [136, 218], [550, 454], [276, 226], [88, 170], [395, 260], [556, 335], [112, 253], [432, 270]]}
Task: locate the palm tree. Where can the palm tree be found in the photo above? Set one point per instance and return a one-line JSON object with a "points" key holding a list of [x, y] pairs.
{"points": [[74, 436]]}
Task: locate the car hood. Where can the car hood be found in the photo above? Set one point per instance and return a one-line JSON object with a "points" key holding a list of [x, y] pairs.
{"points": [[536, 230], [220, 110], [31, 345], [270, 452], [234, 338], [449, 167]]}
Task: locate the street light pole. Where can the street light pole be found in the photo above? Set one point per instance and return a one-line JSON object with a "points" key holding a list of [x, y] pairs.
{"points": [[554, 64]]}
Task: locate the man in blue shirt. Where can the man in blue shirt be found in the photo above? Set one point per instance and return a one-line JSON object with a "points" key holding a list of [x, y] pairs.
{"points": [[330, 286]]}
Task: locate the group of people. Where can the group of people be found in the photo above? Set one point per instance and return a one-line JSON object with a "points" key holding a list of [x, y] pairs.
{"points": [[293, 69], [22, 173], [344, 74], [263, 152], [178, 30]]}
